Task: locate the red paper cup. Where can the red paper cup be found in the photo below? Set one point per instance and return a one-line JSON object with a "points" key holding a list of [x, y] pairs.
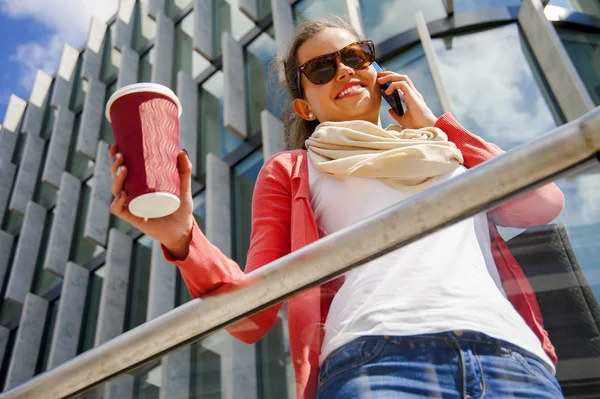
{"points": [[145, 121]]}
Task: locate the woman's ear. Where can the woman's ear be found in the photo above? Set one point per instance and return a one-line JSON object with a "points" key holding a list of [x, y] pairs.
{"points": [[302, 109]]}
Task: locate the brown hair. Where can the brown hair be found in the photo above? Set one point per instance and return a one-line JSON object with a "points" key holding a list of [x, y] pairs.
{"points": [[297, 129]]}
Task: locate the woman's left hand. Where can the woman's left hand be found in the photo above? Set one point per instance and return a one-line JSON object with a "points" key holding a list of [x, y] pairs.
{"points": [[417, 113]]}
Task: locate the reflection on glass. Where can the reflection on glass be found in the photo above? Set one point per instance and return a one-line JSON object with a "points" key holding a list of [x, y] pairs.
{"points": [[317, 8], [244, 177], [206, 372], [82, 249], [468, 5], [386, 18], [187, 59], [145, 68], [492, 88], [584, 50], [139, 280], [412, 63], [144, 27], [261, 92], [214, 137], [90, 315]]}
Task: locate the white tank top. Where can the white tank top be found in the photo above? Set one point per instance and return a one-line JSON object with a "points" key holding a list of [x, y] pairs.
{"points": [[443, 282]]}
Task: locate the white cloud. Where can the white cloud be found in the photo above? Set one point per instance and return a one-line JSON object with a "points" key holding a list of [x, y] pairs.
{"points": [[68, 22]]}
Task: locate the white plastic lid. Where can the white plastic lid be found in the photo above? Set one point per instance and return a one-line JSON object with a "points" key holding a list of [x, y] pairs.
{"points": [[139, 88], [154, 205]]}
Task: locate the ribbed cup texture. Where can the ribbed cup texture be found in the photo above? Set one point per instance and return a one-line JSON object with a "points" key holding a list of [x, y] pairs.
{"points": [[146, 130]]}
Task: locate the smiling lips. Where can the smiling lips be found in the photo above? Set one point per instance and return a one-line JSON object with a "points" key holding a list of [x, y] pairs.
{"points": [[349, 89]]}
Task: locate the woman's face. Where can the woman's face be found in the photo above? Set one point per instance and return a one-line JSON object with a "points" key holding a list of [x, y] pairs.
{"points": [[350, 95]]}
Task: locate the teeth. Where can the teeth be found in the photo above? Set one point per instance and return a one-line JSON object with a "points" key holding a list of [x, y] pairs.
{"points": [[350, 90]]}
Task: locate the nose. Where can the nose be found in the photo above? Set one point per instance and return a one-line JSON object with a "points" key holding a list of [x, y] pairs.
{"points": [[344, 71]]}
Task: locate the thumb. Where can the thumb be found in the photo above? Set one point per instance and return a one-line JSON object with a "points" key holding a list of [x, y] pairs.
{"points": [[185, 173]]}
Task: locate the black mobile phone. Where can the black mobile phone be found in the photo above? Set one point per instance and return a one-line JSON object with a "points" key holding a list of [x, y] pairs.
{"points": [[395, 101]]}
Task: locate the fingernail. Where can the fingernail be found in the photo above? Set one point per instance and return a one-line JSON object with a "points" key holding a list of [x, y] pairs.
{"points": [[119, 171], [186, 153], [115, 158]]}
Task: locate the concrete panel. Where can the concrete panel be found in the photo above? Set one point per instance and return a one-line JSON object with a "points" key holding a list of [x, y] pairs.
{"points": [[8, 142], [4, 336], [98, 215], [128, 72], [7, 176], [155, 7], [91, 119], [125, 22], [449, 5], [176, 369], [61, 233], [162, 71], [92, 56], [249, 8], [27, 342], [34, 115], [283, 24], [161, 287], [67, 327], [63, 83], [26, 254], [272, 134], [234, 90], [218, 203], [187, 91], [58, 149], [15, 111], [113, 298], [6, 244], [27, 175], [432, 62], [565, 82], [121, 387], [204, 30]]}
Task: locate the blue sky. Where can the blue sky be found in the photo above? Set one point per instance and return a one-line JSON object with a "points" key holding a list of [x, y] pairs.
{"points": [[33, 33]]}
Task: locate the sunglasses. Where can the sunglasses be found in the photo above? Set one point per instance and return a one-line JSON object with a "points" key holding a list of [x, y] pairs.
{"points": [[322, 69]]}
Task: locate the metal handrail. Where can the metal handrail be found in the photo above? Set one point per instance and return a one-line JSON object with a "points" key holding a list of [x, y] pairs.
{"points": [[479, 189]]}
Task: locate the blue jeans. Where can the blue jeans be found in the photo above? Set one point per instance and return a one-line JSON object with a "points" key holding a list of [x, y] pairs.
{"points": [[445, 365]]}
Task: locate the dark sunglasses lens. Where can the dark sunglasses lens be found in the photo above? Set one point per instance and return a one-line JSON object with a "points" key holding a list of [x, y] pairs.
{"points": [[359, 56], [321, 70]]}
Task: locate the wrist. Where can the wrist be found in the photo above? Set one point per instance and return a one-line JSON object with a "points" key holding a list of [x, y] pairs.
{"points": [[179, 247]]}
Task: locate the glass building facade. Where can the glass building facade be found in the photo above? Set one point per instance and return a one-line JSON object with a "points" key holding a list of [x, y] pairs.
{"points": [[72, 276]]}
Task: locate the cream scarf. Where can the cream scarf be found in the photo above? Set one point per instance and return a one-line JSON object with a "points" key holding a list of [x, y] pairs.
{"points": [[401, 158]]}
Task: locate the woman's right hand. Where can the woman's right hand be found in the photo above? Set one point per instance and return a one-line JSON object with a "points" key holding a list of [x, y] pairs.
{"points": [[173, 231]]}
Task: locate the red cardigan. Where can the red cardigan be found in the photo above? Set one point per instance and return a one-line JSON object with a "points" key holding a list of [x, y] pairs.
{"points": [[283, 221]]}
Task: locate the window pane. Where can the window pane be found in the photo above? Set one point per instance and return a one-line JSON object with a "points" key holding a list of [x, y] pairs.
{"points": [[214, 138], [144, 27], [138, 283], [492, 88], [200, 209], [386, 18], [584, 50], [590, 7], [147, 384], [412, 63], [206, 372], [187, 59], [244, 177], [175, 7], [92, 304], [145, 69], [262, 92], [317, 8], [468, 5]]}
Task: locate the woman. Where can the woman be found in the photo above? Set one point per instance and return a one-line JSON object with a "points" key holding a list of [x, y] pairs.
{"points": [[437, 318]]}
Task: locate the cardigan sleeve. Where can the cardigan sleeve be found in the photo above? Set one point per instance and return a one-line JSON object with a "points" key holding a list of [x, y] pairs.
{"points": [[206, 270], [539, 206]]}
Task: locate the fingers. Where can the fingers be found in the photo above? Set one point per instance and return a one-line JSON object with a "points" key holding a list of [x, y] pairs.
{"points": [[119, 208], [118, 180], [388, 76], [112, 151], [185, 173]]}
